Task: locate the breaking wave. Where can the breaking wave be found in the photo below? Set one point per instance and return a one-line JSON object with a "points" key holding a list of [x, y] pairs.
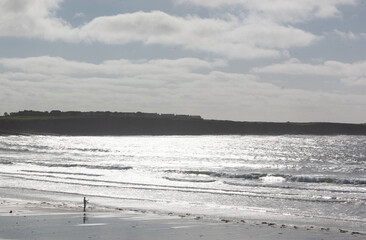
{"points": [[221, 175], [308, 179], [73, 165], [189, 180], [6, 162], [14, 149], [62, 173], [261, 176], [89, 150]]}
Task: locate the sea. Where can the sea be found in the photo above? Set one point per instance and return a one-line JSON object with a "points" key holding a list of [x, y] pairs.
{"points": [[289, 179]]}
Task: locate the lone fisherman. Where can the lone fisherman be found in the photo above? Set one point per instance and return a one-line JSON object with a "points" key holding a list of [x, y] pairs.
{"points": [[85, 201]]}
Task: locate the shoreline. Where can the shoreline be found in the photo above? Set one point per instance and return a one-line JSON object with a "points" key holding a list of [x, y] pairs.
{"points": [[211, 187], [23, 219]]}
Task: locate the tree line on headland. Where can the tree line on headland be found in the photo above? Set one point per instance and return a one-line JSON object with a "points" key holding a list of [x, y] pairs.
{"points": [[121, 123], [58, 113]]}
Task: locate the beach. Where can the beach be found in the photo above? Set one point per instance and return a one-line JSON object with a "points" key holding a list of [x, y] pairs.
{"points": [[183, 187], [21, 219]]}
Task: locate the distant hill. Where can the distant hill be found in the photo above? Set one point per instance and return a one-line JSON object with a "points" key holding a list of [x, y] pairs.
{"points": [[118, 124]]}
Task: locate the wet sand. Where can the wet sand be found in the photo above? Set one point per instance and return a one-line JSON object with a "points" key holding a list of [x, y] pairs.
{"points": [[41, 220]]}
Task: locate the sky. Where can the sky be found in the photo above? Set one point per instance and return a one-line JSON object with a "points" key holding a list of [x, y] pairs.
{"points": [[242, 60]]}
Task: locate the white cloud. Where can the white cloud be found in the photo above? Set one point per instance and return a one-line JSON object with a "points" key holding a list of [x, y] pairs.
{"points": [[167, 85], [265, 29], [231, 37], [350, 35], [351, 73], [58, 65], [281, 10], [172, 86], [234, 39], [24, 18]]}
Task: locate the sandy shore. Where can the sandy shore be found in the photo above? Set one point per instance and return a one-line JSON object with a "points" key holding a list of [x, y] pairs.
{"points": [[41, 220]]}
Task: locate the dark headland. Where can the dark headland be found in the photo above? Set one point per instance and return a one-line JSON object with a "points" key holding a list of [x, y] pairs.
{"points": [[122, 123]]}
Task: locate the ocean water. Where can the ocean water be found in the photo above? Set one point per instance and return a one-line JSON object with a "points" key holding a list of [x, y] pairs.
{"points": [[311, 180]]}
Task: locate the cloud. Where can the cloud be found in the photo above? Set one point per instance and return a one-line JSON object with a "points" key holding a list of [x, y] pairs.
{"points": [[58, 65], [79, 15], [23, 18], [350, 73], [231, 37], [280, 10], [262, 29], [234, 39], [168, 85], [186, 85], [350, 35]]}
